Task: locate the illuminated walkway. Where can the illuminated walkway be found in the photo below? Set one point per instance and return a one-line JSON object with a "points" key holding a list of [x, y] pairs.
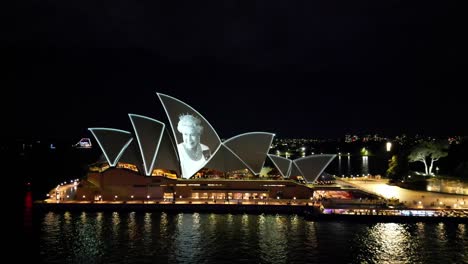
{"points": [[410, 198]]}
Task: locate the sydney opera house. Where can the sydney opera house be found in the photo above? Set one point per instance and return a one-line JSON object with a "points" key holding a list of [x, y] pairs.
{"points": [[186, 159]]}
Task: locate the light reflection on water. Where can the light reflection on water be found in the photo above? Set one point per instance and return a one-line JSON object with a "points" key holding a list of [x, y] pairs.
{"points": [[123, 237], [187, 239], [273, 231], [461, 231], [390, 243], [358, 165]]}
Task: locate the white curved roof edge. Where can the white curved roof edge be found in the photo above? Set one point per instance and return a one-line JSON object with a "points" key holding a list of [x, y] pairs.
{"points": [[111, 163], [249, 133], [326, 165], [122, 151], [299, 169], [109, 129], [170, 121], [268, 149], [332, 156], [289, 170], [148, 170], [173, 146], [274, 163], [173, 128], [233, 153]]}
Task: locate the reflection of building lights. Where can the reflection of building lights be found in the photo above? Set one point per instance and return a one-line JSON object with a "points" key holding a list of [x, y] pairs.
{"points": [[364, 152]]}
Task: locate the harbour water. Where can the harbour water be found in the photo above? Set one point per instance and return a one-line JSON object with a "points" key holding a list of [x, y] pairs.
{"points": [[159, 237], [348, 165]]}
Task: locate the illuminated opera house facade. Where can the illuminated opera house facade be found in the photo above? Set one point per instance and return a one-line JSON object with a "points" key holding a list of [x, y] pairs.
{"points": [[188, 160]]}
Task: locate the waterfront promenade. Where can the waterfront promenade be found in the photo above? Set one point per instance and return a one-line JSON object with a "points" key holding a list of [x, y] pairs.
{"points": [[409, 198], [415, 205]]}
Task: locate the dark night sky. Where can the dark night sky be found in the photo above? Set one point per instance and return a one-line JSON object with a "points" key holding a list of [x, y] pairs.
{"points": [[296, 68]]}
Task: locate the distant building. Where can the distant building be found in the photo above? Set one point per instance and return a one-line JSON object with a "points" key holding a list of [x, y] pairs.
{"points": [[84, 143]]}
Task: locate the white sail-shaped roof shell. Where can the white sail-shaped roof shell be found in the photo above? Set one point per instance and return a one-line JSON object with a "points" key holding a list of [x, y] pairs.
{"points": [[132, 155], [252, 148], [151, 146], [282, 164], [112, 142], [175, 108], [225, 160], [167, 155], [166, 158], [295, 171], [149, 134], [311, 167]]}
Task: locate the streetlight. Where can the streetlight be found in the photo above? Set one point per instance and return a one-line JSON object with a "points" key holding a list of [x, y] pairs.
{"points": [[389, 146]]}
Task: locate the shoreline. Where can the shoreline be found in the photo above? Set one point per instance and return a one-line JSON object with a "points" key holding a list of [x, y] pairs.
{"points": [[175, 207], [310, 212]]}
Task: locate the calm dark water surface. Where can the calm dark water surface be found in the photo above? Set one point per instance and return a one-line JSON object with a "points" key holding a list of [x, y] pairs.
{"points": [[158, 237]]}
